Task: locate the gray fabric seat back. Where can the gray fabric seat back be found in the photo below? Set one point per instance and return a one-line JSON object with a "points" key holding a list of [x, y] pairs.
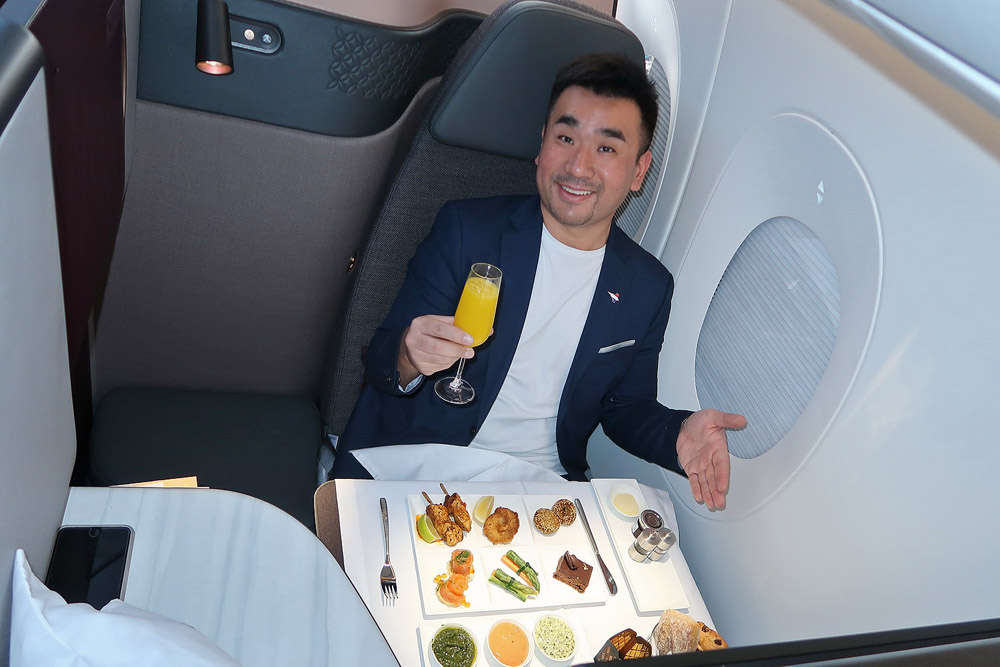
{"points": [[479, 139]]}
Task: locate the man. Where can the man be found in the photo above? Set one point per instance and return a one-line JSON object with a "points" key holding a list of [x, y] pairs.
{"points": [[581, 316]]}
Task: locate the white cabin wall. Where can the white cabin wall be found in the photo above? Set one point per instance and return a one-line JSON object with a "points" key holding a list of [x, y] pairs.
{"points": [[37, 433], [886, 518]]}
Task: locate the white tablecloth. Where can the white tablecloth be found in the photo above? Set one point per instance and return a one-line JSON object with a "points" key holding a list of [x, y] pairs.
{"points": [[446, 463], [362, 541], [248, 576]]}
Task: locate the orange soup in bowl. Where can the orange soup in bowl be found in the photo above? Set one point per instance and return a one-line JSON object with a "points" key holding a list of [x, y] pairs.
{"points": [[508, 643]]}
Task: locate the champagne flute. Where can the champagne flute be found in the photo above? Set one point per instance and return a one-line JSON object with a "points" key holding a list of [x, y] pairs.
{"points": [[474, 315]]}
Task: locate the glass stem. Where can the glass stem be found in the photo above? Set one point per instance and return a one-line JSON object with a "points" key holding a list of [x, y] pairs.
{"points": [[454, 384]]}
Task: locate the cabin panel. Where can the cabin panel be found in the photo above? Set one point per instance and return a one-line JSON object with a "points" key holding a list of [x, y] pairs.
{"points": [[37, 433], [235, 250], [84, 42], [416, 12], [668, 30], [328, 74]]}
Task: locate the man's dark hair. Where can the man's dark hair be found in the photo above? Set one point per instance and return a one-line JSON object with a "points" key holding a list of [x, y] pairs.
{"points": [[611, 75]]}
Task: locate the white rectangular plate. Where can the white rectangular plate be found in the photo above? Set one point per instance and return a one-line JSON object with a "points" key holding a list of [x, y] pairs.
{"points": [[541, 551], [655, 585]]}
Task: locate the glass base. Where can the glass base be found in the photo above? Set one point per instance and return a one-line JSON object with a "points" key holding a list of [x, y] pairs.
{"points": [[454, 390]]}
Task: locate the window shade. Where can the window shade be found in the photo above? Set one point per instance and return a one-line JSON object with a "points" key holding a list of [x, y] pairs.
{"points": [[768, 333]]}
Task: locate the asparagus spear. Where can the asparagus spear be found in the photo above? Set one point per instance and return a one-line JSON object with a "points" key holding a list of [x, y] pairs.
{"points": [[511, 585], [523, 569]]}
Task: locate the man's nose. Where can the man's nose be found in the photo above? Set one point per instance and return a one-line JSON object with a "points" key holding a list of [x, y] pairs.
{"points": [[580, 163]]}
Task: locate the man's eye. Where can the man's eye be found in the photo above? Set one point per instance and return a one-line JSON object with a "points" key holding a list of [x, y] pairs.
{"points": [[566, 140], [606, 149]]}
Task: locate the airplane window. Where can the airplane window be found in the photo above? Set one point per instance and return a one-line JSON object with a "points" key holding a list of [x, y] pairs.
{"points": [[632, 213], [769, 332]]}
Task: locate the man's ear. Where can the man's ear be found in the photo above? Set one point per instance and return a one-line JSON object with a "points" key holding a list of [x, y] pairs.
{"points": [[641, 167]]}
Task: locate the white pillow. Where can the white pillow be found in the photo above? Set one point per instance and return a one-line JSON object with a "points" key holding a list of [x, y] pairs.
{"points": [[45, 630]]}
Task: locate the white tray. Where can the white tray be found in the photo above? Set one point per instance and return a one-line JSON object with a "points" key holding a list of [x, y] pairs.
{"points": [[541, 551], [655, 585]]}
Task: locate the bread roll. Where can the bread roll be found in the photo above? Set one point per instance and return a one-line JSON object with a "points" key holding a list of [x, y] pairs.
{"points": [[710, 640], [676, 633]]}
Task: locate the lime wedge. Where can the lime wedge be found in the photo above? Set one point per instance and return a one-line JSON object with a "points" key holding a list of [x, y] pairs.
{"points": [[431, 529], [426, 530], [482, 509]]}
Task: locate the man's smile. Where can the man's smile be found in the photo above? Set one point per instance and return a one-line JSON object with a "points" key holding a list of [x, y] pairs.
{"points": [[576, 190]]}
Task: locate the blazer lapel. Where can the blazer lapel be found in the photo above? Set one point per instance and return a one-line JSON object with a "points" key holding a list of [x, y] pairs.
{"points": [[615, 279], [519, 247]]}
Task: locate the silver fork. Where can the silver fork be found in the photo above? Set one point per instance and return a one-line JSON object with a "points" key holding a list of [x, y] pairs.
{"points": [[387, 576]]}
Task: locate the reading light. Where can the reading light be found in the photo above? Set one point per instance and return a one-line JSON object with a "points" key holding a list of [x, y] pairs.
{"points": [[214, 51]]}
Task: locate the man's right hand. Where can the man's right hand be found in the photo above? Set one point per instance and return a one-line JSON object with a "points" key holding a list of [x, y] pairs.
{"points": [[430, 344]]}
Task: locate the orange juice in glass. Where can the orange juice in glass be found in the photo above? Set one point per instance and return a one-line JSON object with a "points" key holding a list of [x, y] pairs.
{"points": [[474, 315], [476, 308]]}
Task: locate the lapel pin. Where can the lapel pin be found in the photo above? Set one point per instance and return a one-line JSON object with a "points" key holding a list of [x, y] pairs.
{"points": [[614, 297]]}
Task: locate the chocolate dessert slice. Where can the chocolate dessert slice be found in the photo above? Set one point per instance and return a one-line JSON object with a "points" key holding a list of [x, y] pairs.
{"points": [[623, 639], [637, 648], [608, 653], [618, 646], [573, 572]]}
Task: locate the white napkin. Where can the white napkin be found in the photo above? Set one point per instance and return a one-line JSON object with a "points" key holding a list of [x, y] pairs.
{"points": [[45, 630], [449, 463]]}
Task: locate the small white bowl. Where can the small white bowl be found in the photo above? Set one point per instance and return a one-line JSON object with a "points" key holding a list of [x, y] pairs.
{"points": [[624, 489], [430, 644], [556, 661], [492, 659]]}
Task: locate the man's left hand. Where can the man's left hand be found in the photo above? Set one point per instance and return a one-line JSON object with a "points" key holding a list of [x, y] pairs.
{"points": [[703, 453]]}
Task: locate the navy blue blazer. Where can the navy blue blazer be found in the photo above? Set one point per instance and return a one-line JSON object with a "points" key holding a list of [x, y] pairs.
{"points": [[614, 387]]}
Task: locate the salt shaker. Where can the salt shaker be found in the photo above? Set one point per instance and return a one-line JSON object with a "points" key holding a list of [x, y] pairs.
{"points": [[645, 543], [666, 540]]}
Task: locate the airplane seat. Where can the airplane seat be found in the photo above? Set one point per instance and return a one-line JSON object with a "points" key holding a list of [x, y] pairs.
{"points": [[479, 138], [261, 445]]}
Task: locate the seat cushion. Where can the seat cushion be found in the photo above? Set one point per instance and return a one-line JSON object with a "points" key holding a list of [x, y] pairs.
{"points": [[263, 446]]}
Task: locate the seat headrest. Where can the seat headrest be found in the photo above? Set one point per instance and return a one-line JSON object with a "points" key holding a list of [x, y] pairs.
{"points": [[495, 94]]}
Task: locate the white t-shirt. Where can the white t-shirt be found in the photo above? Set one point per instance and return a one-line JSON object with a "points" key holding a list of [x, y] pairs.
{"points": [[522, 421]]}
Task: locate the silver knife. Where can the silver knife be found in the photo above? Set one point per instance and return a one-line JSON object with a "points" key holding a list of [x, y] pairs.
{"points": [[608, 579]]}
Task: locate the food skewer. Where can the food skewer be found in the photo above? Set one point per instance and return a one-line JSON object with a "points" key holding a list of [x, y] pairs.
{"points": [[446, 528], [458, 510]]}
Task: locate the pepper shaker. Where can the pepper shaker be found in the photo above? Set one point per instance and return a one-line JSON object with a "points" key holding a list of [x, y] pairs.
{"points": [[647, 519]]}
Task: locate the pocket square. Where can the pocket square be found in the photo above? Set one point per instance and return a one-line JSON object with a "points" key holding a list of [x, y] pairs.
{"points": [[616, 346]]}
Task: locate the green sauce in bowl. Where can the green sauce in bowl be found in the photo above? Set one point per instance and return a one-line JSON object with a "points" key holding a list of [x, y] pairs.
{"points": [[454, 647]]}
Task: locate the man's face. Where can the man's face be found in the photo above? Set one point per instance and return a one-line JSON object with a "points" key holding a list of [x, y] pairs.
{"points": [[589, 158]]}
